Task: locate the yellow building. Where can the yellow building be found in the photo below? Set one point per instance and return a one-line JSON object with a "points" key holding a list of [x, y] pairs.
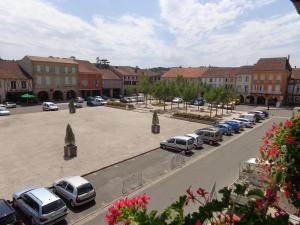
{"points": [[53, 78]]}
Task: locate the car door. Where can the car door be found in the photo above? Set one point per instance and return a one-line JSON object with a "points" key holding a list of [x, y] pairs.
{"points": [[171, 143], [61, 188], [69, 192], [29, 206]]}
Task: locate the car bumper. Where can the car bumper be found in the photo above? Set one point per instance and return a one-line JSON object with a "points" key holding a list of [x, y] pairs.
{"points": [[55, 220], [84, 201]]}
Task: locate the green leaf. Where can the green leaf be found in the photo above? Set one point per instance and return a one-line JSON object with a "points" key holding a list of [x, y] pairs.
{"points": [[256, 192]]}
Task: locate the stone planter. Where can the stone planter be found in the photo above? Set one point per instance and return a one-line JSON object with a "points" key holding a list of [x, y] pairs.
{"points": [[155, 129], [72, 110], [70, 151], [297, 5]]}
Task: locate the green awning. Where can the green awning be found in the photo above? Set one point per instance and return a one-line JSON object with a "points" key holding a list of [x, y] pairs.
{"points": [[27, 96]]}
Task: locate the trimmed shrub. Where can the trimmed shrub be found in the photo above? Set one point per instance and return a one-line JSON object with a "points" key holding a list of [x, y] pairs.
{"points": [[70, 137], [194, 116], [120, 105]]}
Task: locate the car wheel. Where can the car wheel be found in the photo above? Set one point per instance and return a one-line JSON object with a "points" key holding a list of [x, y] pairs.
{"points": [[163, 146]]}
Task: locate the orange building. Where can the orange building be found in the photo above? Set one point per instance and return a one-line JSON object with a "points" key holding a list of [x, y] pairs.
{"points": [[269, 81]]}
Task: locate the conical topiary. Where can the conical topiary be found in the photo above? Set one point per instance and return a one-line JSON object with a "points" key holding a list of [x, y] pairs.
{"points": [[72, 108], [70, 137], [155, 120]]}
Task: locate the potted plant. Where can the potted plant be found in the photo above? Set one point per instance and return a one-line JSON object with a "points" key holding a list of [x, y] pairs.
{"points": [[70, 149], [297, 5], [72, 108], [155, 123]]}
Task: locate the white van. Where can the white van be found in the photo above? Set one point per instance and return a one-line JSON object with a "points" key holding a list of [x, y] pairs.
{"points": [[179, 143], [250, 117], [198, 140]]}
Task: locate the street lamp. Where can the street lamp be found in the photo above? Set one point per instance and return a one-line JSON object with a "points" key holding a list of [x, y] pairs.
{"points": [[297, 5]]}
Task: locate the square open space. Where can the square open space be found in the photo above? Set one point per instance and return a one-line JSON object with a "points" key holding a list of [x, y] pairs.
{"points": [[31, 145]]}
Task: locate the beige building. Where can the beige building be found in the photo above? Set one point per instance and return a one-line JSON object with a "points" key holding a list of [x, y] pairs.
{"points": [[53, 78]]}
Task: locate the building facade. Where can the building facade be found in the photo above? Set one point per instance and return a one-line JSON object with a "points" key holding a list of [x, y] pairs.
{"points": [[90, 79], [190, 73], [269, 81], [14, 81], [243, 76], [112, 85], [293, 97], [53, 78], [219, 76]]}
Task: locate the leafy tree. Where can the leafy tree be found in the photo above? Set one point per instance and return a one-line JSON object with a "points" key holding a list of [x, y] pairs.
{"points": [[102, 63], [130, 90], [189, 92], [144, 86], [70, 137], [210, 96]]}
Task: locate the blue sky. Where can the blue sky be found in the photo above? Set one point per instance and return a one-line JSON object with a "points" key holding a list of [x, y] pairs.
{"points": [[151, 33]]}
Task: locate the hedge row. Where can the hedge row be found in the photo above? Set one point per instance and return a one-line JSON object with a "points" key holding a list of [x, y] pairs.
{"points": [[194, 116], [120, 105]]}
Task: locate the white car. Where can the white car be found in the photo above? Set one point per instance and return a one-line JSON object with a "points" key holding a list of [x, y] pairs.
{"points": [[4, 111], [177, 100], [76, 190], [11, 105], [262, 115], [247, 122], [50, 106]]}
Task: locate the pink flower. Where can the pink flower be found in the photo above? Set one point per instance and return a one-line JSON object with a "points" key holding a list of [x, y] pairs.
{"points": [[190, 195], [198, 222], [297, 117], [261, 148], [298, 194], [274, 151], [288, 123], [201, 192], [275, 128], [289, 139], [236, 218], [259, 203]]}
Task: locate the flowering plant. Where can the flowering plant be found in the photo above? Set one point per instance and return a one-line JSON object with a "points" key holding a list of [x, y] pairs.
{"points": [[280, 160]]}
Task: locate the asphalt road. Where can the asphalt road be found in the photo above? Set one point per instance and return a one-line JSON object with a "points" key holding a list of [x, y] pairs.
{"points": [[203, 169]]}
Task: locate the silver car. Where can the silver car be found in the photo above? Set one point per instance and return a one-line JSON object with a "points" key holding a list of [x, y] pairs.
{"points": [[179, 143], [198, 141], [40, 205], [49, 106], [76, 190]]}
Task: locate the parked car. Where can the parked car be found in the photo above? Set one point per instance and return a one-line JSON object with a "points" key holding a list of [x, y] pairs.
{"points": [[40, 205], [241, 123], [76, 190], [126, 100], [178, 143], [250, 117], [198, 102], [10, 105], [209, 135], [78, 105], [104, 97], [95, 102], [198, 141], [4, 111], [79, 100], [263, 114], [225, 129], [256, 115], [266, 112], [2, 106], [7, 213], [177, 100], [247, 122], [235, 126], [49, 106]]}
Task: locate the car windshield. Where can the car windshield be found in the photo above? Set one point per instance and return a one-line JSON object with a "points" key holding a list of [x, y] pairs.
{"points": [[2, 109], [53, 206], [51, 104], [85, 188]]}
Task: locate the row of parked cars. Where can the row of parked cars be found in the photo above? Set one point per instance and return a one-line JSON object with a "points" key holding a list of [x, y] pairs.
{"points": [[214, 134], [42, 205], [4, 108]]}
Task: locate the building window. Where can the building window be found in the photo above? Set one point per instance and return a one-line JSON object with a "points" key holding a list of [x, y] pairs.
{"points": [[47, 80], [270, 77], [278, 77], [66, 80], [85, 83], [57, 70], [23, 83], [247, 78], [13, 84], [210, 79], [37, 68], [297, 90], [255, 77], [73, 70], [47, 69], [66, 69], [57, 82], [38, 80], [74, 81], [262, 77], [277, 88], [270, 88]]}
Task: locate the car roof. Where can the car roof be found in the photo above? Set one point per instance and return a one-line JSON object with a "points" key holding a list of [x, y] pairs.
{"points": [[182, 137], [76, 181], [192, 135], [43, 195], [5, 208], [48, 103]]}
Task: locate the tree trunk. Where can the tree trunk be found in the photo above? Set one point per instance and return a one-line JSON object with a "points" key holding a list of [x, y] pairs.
{"points": [[171, 105], [186, 107], [210, 111], [227, 108], [198, 107], [164, 105], [216, 110], [222, 108]]}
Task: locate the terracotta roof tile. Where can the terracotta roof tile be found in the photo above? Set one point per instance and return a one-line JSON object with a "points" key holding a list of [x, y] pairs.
{"points": [[273, 64], [127, 70], [85, 66], [11, 69], [51, 59], [296, 73], [220, 72], [191, 72], [108, 74]]}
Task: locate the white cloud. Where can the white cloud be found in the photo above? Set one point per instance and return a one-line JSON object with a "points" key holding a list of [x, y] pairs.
{"points": [[203, 33]]}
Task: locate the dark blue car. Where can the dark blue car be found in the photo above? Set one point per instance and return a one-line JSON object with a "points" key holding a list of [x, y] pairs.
{"points": [[234, 125], [224, 128]]}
